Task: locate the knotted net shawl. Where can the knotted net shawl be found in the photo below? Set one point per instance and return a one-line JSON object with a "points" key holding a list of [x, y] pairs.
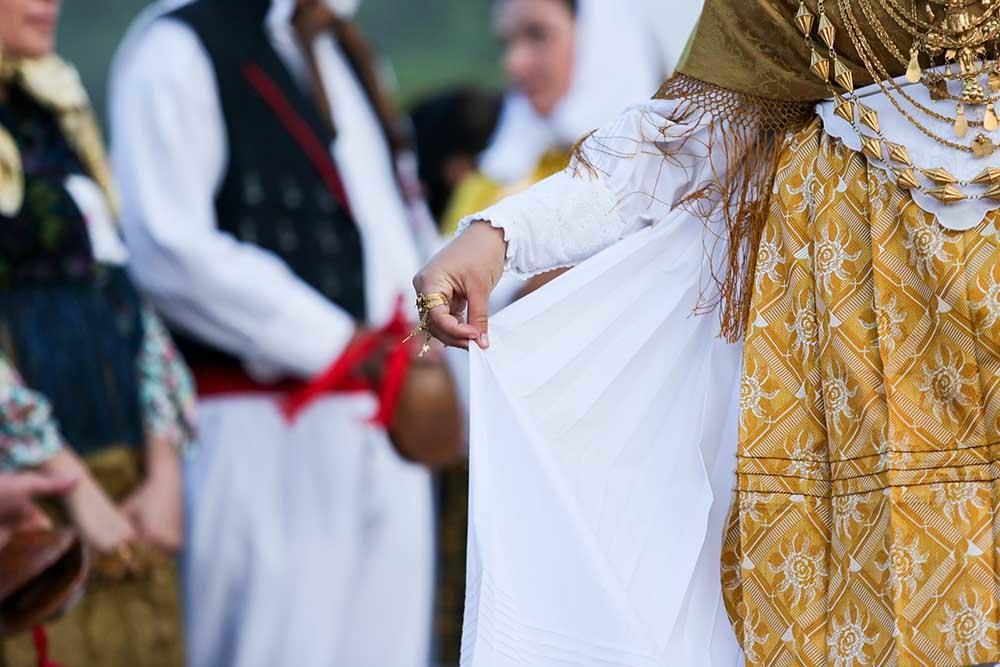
{"points": [[746, 73]]}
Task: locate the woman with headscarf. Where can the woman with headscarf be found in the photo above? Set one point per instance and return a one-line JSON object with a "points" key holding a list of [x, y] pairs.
{"points": [[826, 176], [90, 383], [572, 66]]}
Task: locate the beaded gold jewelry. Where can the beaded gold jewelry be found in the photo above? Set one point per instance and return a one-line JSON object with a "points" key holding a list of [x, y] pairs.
{"points": [[425, 304], [964, 36]]}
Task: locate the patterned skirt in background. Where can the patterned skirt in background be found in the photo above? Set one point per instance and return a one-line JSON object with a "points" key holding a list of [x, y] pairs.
{"points": [[133, 622]]}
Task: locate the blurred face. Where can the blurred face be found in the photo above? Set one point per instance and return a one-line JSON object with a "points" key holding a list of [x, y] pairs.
{"points": [[28, 27], [538, 37]]}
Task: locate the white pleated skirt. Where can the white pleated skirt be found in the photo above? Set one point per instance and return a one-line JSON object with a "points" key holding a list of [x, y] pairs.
{"points": [[603, 440]]}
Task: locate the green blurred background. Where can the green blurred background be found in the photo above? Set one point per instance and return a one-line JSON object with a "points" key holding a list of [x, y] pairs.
{"points": [[430, 43]]}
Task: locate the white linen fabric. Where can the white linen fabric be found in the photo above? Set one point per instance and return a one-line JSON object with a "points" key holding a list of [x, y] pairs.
{"points": [[925, 151], [310, 543], [306, 545], [604, 422], [603, 432]]}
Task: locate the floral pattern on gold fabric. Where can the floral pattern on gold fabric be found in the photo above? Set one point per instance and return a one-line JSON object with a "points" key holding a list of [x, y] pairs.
{"points": [[864, 527]]}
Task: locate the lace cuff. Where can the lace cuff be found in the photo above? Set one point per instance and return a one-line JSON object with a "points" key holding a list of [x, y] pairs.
{"points": [[558, 223]]}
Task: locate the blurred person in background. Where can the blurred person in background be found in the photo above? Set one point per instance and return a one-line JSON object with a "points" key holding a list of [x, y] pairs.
{"points": [[572, 65], [257, 154], [90, 384], [451, 128]]}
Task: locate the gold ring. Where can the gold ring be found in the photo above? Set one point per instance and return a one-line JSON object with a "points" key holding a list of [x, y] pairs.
{"points": [[126, 555], [425, 304], [431, 301]]}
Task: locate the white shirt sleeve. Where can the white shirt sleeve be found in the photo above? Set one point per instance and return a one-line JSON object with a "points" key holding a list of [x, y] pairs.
{"points": [[169, 156], [631, 176]]}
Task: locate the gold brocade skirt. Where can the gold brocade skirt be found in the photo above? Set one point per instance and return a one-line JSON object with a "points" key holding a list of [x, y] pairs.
{"points": [[131, 622], [865, 527]]}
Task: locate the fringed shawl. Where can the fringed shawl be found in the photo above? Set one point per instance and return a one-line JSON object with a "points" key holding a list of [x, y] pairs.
{"points": [[746, 70]]}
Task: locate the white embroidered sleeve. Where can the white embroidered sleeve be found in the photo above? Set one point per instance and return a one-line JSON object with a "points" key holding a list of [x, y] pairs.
{"points": [[555, 224], [621, 184]]}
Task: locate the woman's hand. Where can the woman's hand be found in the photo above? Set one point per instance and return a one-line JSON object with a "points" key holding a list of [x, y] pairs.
{"points": [[155, 508], [465, 271], [17, 493], [101, 524]]}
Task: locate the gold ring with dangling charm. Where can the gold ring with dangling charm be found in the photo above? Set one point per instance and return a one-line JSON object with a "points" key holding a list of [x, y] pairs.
{"points": [[425, 304]]}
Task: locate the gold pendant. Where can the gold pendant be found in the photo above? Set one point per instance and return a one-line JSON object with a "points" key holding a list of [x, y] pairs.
{"points": [[844, 109], [869, 118], [947, 194], [826, 31], [939, 175], [804, 19], [961, 122], [988, 176], [906, 179], [872, 148], [994, 81], [820, 66], [973, 93], [899, 154], [990, 120], [843, 76], [938, 88], [913, 72], [983, 146]]}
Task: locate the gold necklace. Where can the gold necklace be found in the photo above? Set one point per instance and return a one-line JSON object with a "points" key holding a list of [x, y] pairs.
{"points": [[920, 27], [958, 35], [946, 186], [880, 75], [990, 121]]}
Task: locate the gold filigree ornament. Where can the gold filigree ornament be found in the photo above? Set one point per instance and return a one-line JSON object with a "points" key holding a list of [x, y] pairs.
{"points": [[11, 176], [964, 35]]}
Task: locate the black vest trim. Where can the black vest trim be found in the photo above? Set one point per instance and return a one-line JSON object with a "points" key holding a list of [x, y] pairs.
{"points": [[299, 130]]}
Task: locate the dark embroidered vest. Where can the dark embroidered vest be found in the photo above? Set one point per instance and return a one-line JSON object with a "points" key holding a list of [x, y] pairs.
{"points": [[282, 190], [71, 327]]}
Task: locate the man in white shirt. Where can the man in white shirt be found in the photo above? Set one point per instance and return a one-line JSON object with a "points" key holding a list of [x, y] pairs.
{"points": [[266, 222]]}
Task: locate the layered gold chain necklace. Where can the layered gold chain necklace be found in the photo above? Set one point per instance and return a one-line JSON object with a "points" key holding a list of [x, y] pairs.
{"points": [[963, 36]]}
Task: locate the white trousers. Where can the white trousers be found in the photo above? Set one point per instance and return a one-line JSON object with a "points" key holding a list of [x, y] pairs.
{"points": [[308, 544]]}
